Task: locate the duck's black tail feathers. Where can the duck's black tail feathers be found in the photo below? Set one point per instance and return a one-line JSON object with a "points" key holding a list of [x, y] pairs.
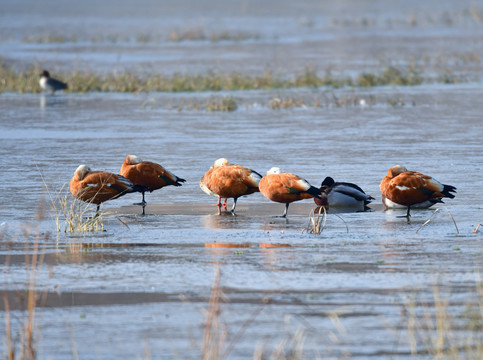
{"points": [[447, 191], [179, 180], [313, 191]]}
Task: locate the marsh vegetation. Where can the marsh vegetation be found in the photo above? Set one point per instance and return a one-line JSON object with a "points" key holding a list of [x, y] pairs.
{"points": [[131, 82]]}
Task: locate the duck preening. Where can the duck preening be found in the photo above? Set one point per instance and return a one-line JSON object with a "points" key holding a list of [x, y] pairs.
{"points": [[411, 189], [227, 180], [286, 188], [147, 175], [98, 186]]}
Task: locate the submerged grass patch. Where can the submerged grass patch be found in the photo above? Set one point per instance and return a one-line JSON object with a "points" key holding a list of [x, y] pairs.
{"points": [[391, 76], [227, 103], [466, 15], [175, 35], [329, 99], [194, 34], [131, 82]]}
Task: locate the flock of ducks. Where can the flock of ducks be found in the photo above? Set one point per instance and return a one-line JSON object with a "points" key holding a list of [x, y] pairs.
{"points": [[400, 188]]}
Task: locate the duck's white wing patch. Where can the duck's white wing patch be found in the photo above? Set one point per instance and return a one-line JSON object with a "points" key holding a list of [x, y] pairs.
{"points": [[436, 184], [254, 178], [303, 184], [206, 190]]}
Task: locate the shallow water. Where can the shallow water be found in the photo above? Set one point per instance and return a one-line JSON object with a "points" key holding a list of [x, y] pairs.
{"points": [[141, 285]]}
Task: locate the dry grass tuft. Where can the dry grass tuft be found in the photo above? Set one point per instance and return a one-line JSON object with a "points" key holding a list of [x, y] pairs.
{"points": [[317, 221], [70, 214], [75, 216]]}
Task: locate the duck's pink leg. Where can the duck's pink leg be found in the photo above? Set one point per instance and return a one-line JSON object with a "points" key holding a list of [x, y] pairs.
{"points": [[224, 203], [219, 205]]}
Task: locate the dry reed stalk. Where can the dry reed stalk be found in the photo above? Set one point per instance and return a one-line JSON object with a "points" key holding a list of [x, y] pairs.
{"points": [[34, 258], [214, 332], [434, 213], [476, 229], [6, 303], [432, 329], [317, 222], [8, 328]]}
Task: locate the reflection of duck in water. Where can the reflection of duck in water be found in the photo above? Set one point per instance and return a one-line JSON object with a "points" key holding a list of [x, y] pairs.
{"points": [[220, 222], [98, 186], [147, 175], [401, 188], [286, 188], [229, 181], [48, 83], [342, 194]]}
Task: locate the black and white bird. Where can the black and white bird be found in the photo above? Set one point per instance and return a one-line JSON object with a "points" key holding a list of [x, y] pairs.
{"points": [[338, 194], [48, 83]]}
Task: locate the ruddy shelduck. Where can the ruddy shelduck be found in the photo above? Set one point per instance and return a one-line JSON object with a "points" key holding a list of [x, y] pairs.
{"points": [[342, 194], [227, 180], [218, 163], [48, 83], [411, 189], [286, 188], [147, 175], [98, 186]]}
